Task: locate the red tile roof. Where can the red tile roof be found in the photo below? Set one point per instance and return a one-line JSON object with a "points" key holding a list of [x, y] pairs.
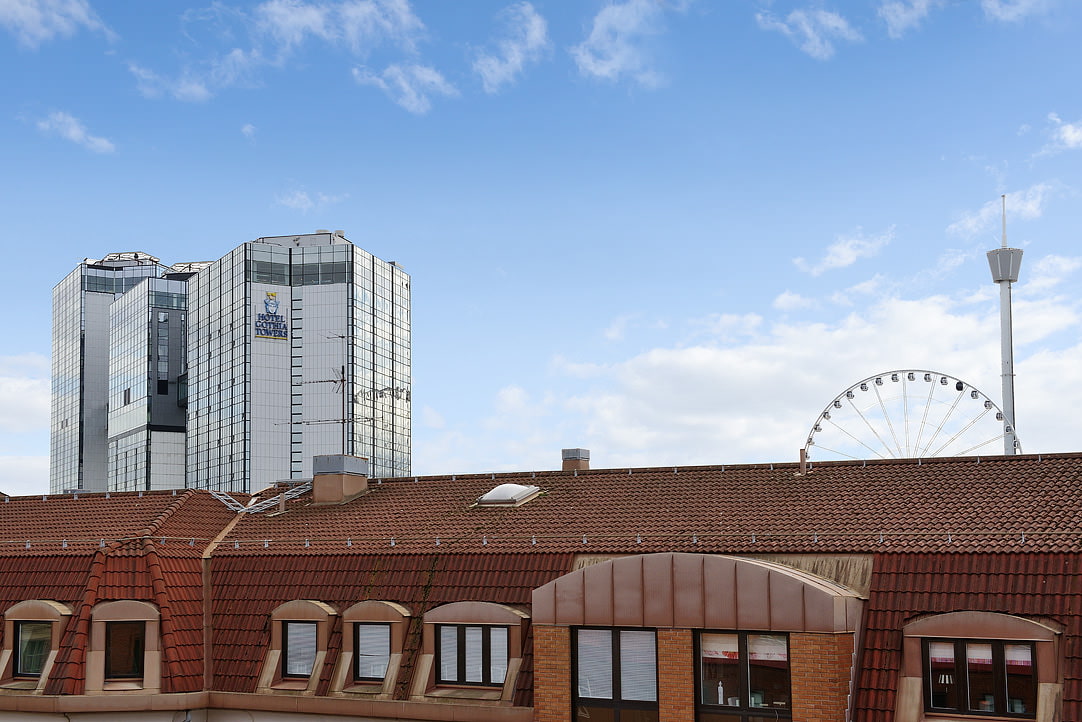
{"points": [[906, 586], [97, 548], [976, 504]]}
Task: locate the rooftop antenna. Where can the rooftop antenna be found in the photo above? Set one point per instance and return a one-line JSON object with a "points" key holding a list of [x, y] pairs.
{"points": [[1005, 263]]}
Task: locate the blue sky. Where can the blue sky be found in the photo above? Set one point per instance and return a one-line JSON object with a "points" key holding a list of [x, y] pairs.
{"points": [[670, 232]]}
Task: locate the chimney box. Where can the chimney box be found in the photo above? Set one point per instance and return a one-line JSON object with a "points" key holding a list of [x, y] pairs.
{"points": [[576, 459], [337, 478]]}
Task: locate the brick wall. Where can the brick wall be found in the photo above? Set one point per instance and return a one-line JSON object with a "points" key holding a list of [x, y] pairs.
{"points": [[676, 675], [551, 674], [820, 666]]}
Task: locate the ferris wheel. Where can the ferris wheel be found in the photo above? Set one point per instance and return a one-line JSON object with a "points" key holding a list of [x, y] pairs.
{"points": [[909, 413]]}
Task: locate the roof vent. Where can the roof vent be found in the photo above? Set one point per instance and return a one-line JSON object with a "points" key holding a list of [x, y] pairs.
{"points": [[509, 495]]}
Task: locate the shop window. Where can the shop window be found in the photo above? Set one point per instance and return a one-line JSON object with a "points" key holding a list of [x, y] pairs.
{"points": [[971, 676], [615, 673], [299, 632], [743, 675], [471, 654], [125, 647]]}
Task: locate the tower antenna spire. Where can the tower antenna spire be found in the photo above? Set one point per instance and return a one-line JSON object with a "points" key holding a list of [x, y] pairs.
{"points": [[1005, 263]]}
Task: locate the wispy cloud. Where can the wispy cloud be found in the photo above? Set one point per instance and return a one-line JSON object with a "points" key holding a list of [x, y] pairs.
{"points": [[813, 31], [1025, 204], [846, 251], [248, 131], [410, 86], [278, 29], [69, 128], [1012, 11], [36, 21], [525, 40], [300, 200], [902, 16], [789, 301], [614, 46], [1065, 136]]}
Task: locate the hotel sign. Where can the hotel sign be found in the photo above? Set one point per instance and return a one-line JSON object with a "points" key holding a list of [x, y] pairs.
{"points": [[271, 324]]}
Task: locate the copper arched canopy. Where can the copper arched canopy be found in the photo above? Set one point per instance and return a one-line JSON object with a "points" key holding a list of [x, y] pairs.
{"points": [[697, 591]]}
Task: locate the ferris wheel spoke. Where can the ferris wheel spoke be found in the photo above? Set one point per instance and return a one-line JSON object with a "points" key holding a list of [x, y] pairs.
{"points": [[905, 413], [924, 417], [961, 431], [886, 415], [943, 422], [871, 428], [854, 438], [992, 440]]}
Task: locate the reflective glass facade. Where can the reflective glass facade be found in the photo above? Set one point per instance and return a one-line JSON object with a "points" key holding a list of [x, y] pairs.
{"points": [[298, 346], [80, 366], [148, 354]]}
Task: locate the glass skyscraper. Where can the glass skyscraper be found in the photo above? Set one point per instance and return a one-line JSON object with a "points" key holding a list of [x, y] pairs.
{"points": [[79, 426], [298, 346], [146, 360], [230, 375]]}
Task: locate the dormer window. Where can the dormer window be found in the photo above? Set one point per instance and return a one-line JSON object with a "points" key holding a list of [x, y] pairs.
{"points": [[32, 643]]}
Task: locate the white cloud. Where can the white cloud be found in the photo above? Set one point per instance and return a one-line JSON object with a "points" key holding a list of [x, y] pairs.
{"points": [[410, 86], [1010, 11], [846, 251], [1065, 136], [617, 330], [152, 85], [1025, 204], [278, 29], [789, 301], [24, 393], [70, 128], [904, 15], [813, 31], [847, 296], [752, 395], [526, 38], [24, 475], [36, 21], [614, 46], [300, 200], [432, 418], [248, 130]]}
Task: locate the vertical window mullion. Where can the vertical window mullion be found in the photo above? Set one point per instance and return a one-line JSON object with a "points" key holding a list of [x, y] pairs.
{"points": [[486, 655], [461, 676]]}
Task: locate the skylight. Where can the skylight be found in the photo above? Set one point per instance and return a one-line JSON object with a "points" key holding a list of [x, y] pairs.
{"points": [[508, 495]]}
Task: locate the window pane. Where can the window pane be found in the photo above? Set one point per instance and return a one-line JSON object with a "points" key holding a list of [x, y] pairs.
{"points": [[373, 650], [449, 653], [124, 645], [475, 667], [595, 663], [941, 681], [34, 639], [638, 666], [982, 690], [498, 663], [1021, 684], [720, 670], [768, 671], [300, 644]]}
